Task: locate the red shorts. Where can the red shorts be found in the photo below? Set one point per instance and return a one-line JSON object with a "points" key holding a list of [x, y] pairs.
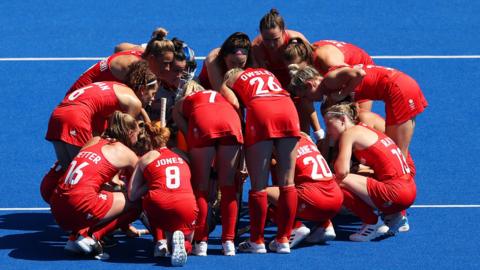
{"points": [[171, 211], [80, 210], [227, 140], [319, 201], [50, 181], [269, 118], [404, 100], [206, 127], [392, 196], [70, 124]]}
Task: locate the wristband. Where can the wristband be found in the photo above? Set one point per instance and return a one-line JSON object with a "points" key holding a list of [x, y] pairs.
{"points": [[319, 134]]}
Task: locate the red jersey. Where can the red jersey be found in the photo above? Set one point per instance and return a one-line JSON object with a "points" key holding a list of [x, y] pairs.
{"points": [[384, 157], [352, 54], [203, 78], [402, 96], [376, 82], [275, 63], [202, 109], [310, 165], [169, 172], [82, 113], [101, 71], [257, 83], [87, 172]]}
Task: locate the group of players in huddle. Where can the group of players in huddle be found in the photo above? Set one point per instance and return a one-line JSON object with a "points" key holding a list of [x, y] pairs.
{"points": [[138, 135]]}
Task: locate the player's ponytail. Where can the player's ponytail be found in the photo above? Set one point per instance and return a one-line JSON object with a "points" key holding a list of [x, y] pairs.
{"points": [[300, 77], [159, 135], [119, 127], [298, 49], [271, 20]]}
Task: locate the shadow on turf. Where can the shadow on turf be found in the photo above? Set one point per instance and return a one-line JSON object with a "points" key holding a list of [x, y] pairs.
{"points": [[36, 237]]}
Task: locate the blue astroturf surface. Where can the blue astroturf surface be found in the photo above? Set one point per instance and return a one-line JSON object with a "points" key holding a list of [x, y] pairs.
{"points": [[445, 144]]}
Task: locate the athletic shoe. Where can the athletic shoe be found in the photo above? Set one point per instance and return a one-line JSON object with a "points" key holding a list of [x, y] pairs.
{"points": [[71, 246], [161, 249], [200, 248], [322, 234], [298, 235], [179, 254], [251, 247], [91, 246], [367, 233], [406, 226], [394, 223], [228, 248], [85, 244], [282, 248]]}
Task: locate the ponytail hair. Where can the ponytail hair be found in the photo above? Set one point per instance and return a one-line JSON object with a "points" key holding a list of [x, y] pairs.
{"points": [[300, 77], [271, 20], [298, 49], [158, 135], [119, 127]]}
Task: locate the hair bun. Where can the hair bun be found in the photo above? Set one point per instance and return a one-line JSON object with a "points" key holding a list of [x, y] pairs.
{"points": [[274, 11], [159, 33]]}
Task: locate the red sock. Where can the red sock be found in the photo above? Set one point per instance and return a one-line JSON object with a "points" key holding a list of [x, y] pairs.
{"points": [[271, 215], [359, 207], [188, 247], [257, 208], [158, 234], [297, 224], [201, 229], [287, 208], [121, 221], [50, 181], [229, 210]]}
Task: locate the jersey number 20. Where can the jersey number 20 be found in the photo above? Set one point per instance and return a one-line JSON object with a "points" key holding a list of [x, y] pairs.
{"points": [[320, 167]]}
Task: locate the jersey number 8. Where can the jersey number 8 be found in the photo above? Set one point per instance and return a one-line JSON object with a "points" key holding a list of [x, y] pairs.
{"points": [[172, 177]]}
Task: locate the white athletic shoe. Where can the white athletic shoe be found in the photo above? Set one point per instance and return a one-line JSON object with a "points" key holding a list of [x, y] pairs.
{"points": [[228, 248], [405, 227], [200, 248], [161, 249], [251, 247], [85, 244], [367, 233], [179, 254], [394, 223], [282, 248], [298, 235], [321, 234]]}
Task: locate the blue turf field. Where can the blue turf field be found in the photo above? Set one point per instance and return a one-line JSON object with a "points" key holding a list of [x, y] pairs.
{"points": [[445, 144]]}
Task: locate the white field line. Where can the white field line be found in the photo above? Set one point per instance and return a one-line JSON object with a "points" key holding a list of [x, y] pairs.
{"points": [[20, 59], [413, 206]]}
